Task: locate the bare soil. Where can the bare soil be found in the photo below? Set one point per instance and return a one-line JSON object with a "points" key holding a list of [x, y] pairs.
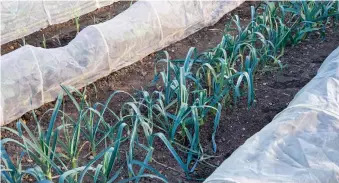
{"points": [[274, 89]]}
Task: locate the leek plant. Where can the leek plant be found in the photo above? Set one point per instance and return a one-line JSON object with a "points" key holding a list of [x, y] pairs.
{"points": [[309, 17], [77, 24], [44, 45], [102, 172], [13, 173], [41, 149], [73, 127]]}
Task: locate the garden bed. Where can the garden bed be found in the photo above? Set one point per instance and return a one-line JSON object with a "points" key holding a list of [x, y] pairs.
{"points": [[274, 89], [61, 34]]}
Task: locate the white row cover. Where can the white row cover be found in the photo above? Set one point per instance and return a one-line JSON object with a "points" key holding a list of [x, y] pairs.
{"points": [[300, 145], [34, 74], [21, 18]]}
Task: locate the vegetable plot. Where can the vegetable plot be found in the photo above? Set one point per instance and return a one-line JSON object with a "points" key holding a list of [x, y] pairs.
{"points": [[190, 92], [99, 50]]}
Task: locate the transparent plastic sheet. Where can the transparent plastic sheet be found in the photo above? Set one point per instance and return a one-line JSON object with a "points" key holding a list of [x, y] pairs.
{"points": [[32, 76], [300, 145], [21, 18]]}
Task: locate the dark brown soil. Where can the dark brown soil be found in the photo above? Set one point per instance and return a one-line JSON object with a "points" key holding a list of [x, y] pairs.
{"points": [[274, 89]]}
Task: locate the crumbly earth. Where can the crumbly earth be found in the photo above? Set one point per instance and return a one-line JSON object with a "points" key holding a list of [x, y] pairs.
{"points": [[274, 89]]}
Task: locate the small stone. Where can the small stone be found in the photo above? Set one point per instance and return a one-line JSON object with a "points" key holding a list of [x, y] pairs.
{"points": [[58, 149], [264, 84], [38, 113], [91, 157], [144, 73], [223, 139], [243, 129], [11, 47], [218, 162], [29, 161], [270, 103], [172, 50]]}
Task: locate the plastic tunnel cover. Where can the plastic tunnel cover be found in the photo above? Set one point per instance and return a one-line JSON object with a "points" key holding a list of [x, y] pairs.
{"points": [[301, 144], [32, 76], [21, 18]]}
